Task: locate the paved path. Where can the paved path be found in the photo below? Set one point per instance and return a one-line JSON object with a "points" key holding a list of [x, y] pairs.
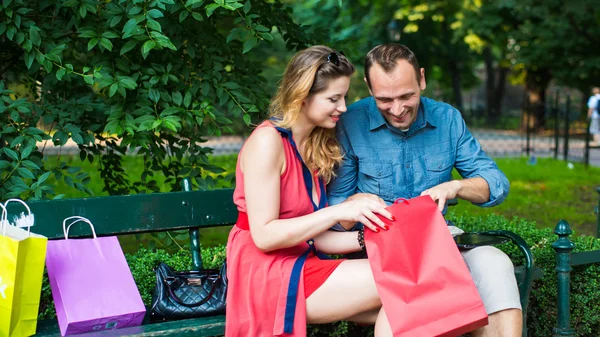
{"points": [[495, 143]]}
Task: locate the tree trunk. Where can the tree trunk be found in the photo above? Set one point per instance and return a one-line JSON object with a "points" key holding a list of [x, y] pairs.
{"points": [[499, 95], [489, 82], [453, 68], [456, 88], [536, 83]]}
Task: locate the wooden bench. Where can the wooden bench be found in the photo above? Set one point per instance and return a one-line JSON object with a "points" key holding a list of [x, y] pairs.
{"points": [[143, 213], [186, 210]]}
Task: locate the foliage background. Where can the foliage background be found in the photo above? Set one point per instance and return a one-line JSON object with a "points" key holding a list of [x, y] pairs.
{"points": [[155, 77]]}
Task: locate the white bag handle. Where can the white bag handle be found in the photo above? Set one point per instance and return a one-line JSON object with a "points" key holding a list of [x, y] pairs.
{"points": [[3, 221], [79, 219], [22, 221]]}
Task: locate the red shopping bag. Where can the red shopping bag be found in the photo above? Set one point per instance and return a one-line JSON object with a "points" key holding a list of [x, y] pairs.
{"points": [[424, 284]]}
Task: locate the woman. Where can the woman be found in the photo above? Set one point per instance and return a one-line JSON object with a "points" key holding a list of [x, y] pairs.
{"points": [[277, 282]]}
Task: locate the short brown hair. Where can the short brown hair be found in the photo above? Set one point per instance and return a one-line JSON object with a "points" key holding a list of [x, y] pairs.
{"points": [[386, 55]]}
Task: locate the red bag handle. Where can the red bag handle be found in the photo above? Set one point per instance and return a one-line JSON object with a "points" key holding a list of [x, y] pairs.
{"points": [[401, 199]]}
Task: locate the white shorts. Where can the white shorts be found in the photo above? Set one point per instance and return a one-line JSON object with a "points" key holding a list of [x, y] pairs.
{"points": [[494, 275]]}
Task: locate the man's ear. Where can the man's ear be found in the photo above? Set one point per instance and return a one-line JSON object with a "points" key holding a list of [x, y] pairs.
{"points": [[422, 82], [368, 86]]}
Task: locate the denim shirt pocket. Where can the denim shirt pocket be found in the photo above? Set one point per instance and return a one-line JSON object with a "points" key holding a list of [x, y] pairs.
{"points": [[376, 178], [439, 169]]}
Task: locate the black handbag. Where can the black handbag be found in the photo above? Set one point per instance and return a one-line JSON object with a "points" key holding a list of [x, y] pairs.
{"points": [[189, 294]]}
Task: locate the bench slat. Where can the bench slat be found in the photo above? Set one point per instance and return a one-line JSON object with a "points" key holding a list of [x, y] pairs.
{"points": [[198, 327], [131, 214]]}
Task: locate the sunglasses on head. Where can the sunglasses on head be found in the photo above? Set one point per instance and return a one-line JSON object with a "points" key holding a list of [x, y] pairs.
{"points": [[334, 58]]}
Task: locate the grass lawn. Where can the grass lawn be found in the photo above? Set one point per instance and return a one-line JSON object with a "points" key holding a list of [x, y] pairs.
{"points": [[544, 193]]}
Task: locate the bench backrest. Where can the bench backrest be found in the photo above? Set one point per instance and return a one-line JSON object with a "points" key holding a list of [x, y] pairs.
{"points": [[114, 215]]}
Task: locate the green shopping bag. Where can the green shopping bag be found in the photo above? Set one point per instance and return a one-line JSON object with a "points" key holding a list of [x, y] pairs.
{"points": [[22, 258]]}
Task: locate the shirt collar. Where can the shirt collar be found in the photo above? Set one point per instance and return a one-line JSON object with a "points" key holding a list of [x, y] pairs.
{"points": [[375, 116], [376, 119]]}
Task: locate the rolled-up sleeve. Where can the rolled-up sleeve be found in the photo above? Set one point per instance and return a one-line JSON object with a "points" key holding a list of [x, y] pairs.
{"points": [[472, 161]]}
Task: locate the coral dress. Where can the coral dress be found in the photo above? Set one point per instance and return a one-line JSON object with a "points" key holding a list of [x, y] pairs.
{"points": [[267, 291]]}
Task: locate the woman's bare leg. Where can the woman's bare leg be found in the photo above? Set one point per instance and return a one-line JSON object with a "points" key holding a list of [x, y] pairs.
{"points": [[348, 293]]}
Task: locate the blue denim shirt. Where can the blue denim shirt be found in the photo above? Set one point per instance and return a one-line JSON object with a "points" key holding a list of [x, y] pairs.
{"points": [[383, 160]]}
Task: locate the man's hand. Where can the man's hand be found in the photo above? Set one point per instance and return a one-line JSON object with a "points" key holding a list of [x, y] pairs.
{"points": [[442, 192], [350, 224]]}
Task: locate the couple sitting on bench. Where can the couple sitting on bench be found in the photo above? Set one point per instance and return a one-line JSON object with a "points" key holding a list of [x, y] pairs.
{"points": [[393, 144]]}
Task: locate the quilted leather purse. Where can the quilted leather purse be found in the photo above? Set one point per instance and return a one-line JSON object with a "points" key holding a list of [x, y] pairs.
{"points": [[189, 294]]}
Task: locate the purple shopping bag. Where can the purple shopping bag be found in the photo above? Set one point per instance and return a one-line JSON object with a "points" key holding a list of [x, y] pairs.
{"points": [[91, 283]]}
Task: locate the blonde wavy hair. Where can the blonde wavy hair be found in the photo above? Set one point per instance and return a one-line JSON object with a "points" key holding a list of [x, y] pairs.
{"points": [[308, 73]]}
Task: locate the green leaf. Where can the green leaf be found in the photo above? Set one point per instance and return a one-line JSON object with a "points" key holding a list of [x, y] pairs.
{"points": [[127, 82], [154, 25], [113, 89], [16, 141], [247, 7], [266, 36], [155, 13], [130, 28], [60, 73], [197, 16], [88, 79], [27, 151], [249, 44], [115, 21], [87, 33], [106, 43], [25, 173], [44, 177], [6, 3], [30, 165], [247, 119], [128, 46], [4, 164], [210, 9], [11, 154], [77, 138], [34, 36], [176, 97], [148, 45], [187, 100], [110, 35], [3, 27], [82, 12], [29, 57], [193, 2], [11, 31], [231, 85], [182, 16], [154, 95], [92, 43]]}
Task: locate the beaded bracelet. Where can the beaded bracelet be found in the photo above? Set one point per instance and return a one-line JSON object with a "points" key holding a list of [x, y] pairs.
{"points": [[361, 238]]}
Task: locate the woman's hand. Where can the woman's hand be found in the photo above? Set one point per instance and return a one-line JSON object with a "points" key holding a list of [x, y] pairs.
{"points": [[363, 208]]}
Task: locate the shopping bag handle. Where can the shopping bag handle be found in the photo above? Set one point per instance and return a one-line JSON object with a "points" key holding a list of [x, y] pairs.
{"points": [[397, 201], [22, 221], [79, 219], [3, 222]]}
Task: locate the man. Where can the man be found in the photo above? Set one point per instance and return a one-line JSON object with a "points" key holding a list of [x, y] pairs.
{"points": [[399, 144], [594, 115]]}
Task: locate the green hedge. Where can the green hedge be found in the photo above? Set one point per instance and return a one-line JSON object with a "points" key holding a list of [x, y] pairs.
{"points": [[585, 295]]}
